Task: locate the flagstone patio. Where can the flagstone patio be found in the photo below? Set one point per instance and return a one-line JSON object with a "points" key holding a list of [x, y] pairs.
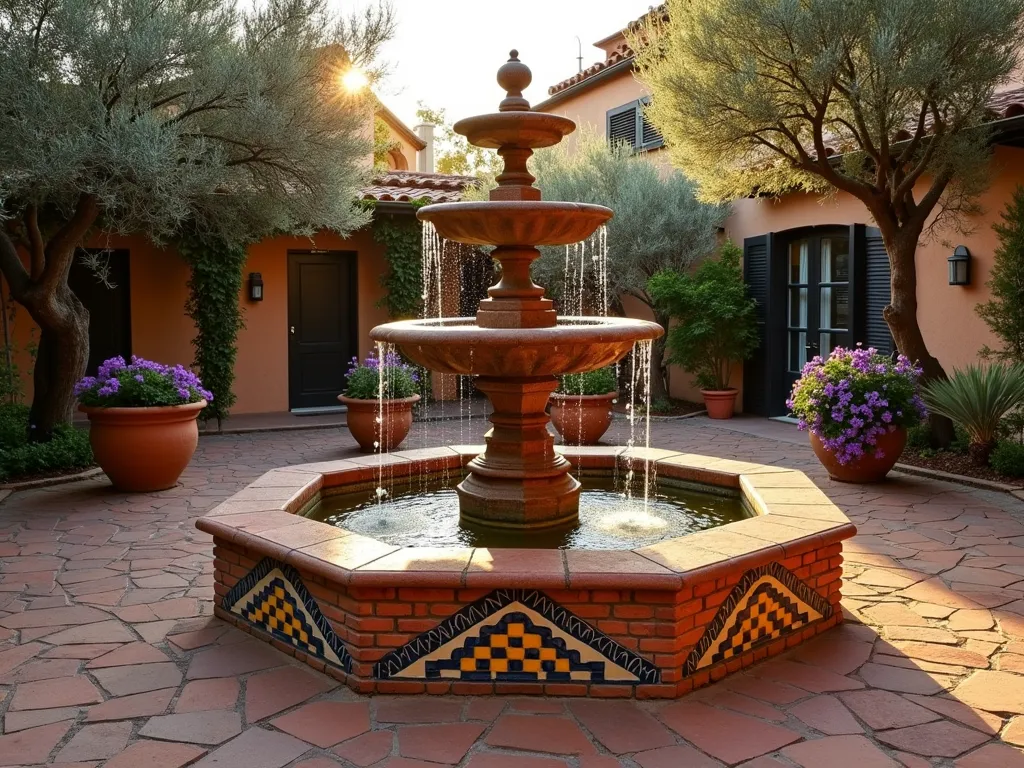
{"points": [[110, 655]]}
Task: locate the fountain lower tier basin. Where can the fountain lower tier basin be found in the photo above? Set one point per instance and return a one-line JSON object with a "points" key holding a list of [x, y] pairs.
{"points": [[654, 621], [528, 223], [458, 345], [424, 512]]}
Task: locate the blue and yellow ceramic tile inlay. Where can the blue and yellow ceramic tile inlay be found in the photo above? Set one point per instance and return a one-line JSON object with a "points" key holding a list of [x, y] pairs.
{"points": [[768, 603], [516, 635], [273, 598]]}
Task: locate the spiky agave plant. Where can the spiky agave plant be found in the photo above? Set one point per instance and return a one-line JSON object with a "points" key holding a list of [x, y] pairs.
{"points": [[976, 398]]}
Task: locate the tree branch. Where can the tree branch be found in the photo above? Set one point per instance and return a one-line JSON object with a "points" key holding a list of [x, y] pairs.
{"points": [[60, 250], [10, 265], [37, 253]]}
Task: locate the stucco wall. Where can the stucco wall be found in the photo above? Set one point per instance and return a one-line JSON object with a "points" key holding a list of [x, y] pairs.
{"points": [[951, 326], [162, 331]]}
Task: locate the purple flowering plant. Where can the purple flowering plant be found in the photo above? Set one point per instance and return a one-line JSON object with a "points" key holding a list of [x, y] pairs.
{"points": [[140, 384], [854, 397], [365, 380]]}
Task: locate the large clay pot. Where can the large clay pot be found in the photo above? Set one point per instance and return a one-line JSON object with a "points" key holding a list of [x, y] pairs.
{"points": [[144, 449], [719, 402], [362, 421], [867, 469], [582, 419]]}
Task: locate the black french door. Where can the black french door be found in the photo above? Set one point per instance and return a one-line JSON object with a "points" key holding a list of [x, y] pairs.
{"points": [[817, 298]]}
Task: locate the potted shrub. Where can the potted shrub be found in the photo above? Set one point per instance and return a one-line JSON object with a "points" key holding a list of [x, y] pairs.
{"points": [[380, 395], [857, 406], [142, 418], [714, 325], [977, 398], [581, 408]]}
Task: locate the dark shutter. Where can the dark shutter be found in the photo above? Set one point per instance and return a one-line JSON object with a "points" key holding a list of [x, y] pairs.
{"points": [[756, 374], [650, 136], [622, 123], [877, 292]]}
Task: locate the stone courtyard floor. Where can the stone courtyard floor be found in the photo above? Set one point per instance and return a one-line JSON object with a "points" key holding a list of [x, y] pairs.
{"points": [[109, 654]]}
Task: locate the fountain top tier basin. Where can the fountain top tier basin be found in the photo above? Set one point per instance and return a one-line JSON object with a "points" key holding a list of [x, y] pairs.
{"points": [[515, 222], [457, 345]]}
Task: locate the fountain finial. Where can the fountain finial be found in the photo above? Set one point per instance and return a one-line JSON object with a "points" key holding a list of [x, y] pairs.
{"points": [[514, 76]]}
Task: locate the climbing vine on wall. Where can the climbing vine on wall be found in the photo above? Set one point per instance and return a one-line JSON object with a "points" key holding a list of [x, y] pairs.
{"points": [[214, 286], [401, 234]]}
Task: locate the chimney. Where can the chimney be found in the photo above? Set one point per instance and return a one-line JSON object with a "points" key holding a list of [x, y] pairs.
{"points": [[425, 157]]}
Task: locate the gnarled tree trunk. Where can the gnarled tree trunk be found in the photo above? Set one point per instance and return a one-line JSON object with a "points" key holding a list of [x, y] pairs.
{"points": [[41, 286], [901, 317], [61, 360]]}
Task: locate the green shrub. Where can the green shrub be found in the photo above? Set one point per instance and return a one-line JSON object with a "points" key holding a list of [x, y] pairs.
{"points": [[68, 451], [599, 382], [715, 321], [1008, 459], [977, 397]]}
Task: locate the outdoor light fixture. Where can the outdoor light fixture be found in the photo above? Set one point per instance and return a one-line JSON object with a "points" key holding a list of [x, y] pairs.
{"points": [[255, 286], [960, 266]]}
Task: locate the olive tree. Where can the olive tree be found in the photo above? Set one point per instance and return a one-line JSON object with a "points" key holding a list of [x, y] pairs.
{"points": [[136, 116], [659, 224], [879, 99]]}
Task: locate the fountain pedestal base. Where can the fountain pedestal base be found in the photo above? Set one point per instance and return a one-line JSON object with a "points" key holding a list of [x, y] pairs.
{"points": [[519, 481]]}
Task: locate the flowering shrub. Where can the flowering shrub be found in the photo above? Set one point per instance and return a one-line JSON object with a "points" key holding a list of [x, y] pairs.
{"points": [[849, 400], [140, 384], [364, 379]]}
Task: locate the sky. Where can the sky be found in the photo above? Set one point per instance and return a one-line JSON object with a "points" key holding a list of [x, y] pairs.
{"points": [[446, 52]]}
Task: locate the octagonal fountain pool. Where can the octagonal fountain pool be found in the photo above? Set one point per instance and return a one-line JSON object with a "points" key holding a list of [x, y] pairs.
{"points": [[424, 512]]}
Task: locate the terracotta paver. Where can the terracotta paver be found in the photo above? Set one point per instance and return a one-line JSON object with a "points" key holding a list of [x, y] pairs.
{"points": [[367, 749], [539, 733], [33, 745], [268, 693], [106, 599], [326, 723], [839, 752], [155, 754], [725, 735], [207, 728], [443, 743], [96, 742]]}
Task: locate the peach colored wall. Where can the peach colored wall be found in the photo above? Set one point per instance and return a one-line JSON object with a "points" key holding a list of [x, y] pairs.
{"points": [[162, 331], [951, 326], [589, 108]]}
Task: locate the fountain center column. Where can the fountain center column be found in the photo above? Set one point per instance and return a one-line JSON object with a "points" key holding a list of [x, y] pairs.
{"points": [[519, 481]]}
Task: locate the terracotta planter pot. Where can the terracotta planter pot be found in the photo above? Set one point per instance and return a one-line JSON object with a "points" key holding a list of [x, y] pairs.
{"points": [[582, 419], [719, 402], [867, 469], [362, 421], [144, 449]]}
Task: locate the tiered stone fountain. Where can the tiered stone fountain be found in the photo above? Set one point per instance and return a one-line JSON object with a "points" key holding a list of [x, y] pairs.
{"points": [[658, 618], [517, 346]]}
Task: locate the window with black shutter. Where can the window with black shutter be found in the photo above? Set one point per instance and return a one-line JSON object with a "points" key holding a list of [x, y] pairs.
{"points": [[629, 124]]}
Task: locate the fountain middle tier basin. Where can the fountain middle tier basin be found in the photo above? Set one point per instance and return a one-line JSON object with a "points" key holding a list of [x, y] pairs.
{"points": [[527, 223], [459, 346]]}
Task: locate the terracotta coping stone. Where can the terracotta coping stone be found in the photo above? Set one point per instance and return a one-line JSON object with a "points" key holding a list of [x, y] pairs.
{"points": [[793, 516]]}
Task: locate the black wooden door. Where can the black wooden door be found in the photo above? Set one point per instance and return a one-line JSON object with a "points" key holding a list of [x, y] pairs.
{"points": [[322, 323], [100, 280]]}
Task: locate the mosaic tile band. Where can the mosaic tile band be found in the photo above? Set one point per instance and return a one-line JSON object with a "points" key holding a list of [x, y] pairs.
{"points": [[558, 644], [768, 603], [272, 598]]}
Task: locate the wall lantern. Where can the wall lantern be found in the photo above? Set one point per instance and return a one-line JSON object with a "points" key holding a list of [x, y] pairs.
{"points": [[960, 266], [256, 286]]}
